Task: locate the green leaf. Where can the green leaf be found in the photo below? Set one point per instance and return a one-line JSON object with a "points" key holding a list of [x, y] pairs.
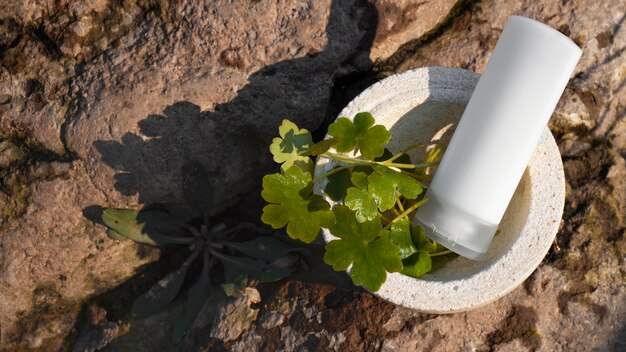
{"points": [[362, 203], [286, 150], [421, 242], [114, 235], [337, 185], [266, 248], [147, 226], [441, 260], [360, 135], [292, 204], [260, 269], [359, 179], [384, 183], [197, 297], [358, 200], [387, 154], [401, 236], [319, 147], [364, 245], [163, 292], [417, 265], [402, 159]]}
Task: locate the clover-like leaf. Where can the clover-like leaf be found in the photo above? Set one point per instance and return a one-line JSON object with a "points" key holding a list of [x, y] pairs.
{"points": [[362, 203], [359, 135], [286, 149], [293, 205], [359, 201], [364, 245], [359, 179], [384, 183], [401, 236], [417, 264]]}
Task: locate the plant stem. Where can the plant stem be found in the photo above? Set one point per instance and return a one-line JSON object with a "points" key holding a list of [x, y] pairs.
{"points": [[400, 206], [331, 172], [347, 159], [356, 161], [403, 151], [447, 251], [416, 176], [407, 212], [230, 259], [405, 166]]}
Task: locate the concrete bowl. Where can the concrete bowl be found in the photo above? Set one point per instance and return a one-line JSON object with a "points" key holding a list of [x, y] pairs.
{"points": [[423, 106]]}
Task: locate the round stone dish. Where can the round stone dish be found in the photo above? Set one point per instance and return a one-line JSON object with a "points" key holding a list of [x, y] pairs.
{"points": [[423, 106]]}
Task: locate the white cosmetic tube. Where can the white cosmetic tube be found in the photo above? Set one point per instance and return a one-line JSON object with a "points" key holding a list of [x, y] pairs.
{"points": [[496, 136]]}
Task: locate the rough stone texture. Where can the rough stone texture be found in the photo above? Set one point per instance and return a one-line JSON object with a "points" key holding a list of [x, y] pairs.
{"points": [[235, 317], [211, 89], [95, 94], [402, 21], [575, 301], [52, 257], [102, 103]]}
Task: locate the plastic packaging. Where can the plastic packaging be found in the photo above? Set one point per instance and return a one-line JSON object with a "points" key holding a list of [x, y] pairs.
{"points": [[496, 136]]}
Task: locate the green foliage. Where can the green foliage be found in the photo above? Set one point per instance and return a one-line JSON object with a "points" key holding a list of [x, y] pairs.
{"points": [[377, 193], [417, 264], [152, 227], [385, 183], [362, 203], [286, 149], [359, 135], [365, 246], [263, 258], [401, 236], [292, 204]]}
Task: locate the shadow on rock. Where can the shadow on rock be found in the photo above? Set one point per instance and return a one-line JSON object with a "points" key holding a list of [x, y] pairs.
{"points": [[171, 160], [231, 140]]}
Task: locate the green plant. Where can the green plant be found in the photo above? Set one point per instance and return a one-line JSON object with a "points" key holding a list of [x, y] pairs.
{"points": [[219, 263], [376, 192]]}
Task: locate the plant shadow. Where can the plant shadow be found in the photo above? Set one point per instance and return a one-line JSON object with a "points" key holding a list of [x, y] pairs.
{"points": [[166, 162]]}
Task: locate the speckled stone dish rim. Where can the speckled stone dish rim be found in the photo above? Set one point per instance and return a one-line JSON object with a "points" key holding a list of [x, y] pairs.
{"points": [[528, 227]]}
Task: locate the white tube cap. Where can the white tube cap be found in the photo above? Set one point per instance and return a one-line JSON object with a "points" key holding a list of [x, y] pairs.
{"points": [[455, 229]]}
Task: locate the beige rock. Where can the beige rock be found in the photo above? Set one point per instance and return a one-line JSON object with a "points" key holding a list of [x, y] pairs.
{"points": [[140, 59], [400, 22], [236, 316], [52, 258]]}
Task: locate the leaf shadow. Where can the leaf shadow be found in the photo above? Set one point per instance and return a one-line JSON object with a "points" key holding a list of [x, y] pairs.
{"points": [[164, 162]]}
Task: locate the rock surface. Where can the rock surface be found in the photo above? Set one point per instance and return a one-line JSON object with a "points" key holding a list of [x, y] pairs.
{"points": [[103, 102], [400, 22]]}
